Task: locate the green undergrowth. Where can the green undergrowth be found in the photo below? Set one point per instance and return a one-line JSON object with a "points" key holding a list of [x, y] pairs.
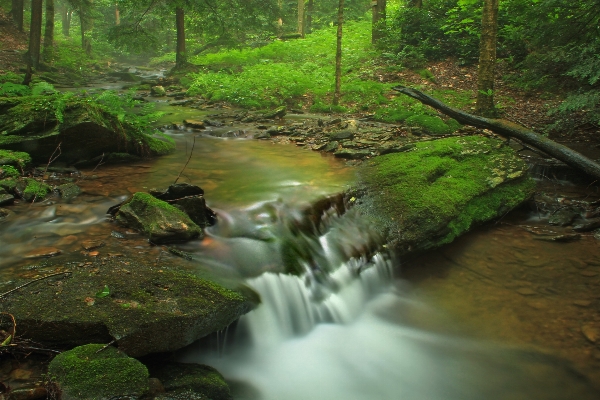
{"points": [[298, 73], [443, 187]]}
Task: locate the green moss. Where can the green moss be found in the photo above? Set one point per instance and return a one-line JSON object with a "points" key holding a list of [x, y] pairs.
{"points": [[8, 185], [88, 372], [441, 188], [431, 124], [200, 379], [14, 158], [35, 190], [9, 171], [392, 115]]}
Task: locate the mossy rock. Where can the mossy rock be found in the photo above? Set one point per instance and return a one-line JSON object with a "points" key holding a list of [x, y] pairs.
{"points": [[17, 159], [194, 378], [94, 372], [440, 189], [32, 190], [84, 131], [430, 124], [158, 219], [145, 308], [8, 171], [8, 184]]}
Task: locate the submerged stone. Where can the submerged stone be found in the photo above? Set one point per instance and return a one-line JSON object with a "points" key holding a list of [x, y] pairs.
{"points": [[201, 380], [439, 190], [145, 308], [95, 372], [159, 220], [68, 191]]}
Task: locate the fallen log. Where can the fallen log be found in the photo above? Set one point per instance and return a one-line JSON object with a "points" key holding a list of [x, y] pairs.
{"points": [[509, 129]]}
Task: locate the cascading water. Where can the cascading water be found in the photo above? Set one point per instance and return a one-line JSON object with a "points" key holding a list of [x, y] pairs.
{"points": [[345, 329]]}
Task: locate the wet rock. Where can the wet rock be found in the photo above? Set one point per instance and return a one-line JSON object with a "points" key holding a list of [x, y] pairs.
{"points": [[588, 273], [212, 122], [162, 222], [344, 135], [195, 208], [351, 154], [92, 244], [395, 148], [194, 378], [331, 147], [582, 303], [28, 393], [147, 308], [185, 102], [177, 191], [158, 91], [6, 199], [591, 333], [43, 252], [563, 217], [440, 189], [560, 238], [194, 124], [588, 225], [125, 76], [68, 191], [94, 372], [4, 213], [262, 135], [277, 113]]}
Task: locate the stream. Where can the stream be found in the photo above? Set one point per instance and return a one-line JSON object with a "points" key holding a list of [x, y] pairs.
{"points": [[486, 317]]}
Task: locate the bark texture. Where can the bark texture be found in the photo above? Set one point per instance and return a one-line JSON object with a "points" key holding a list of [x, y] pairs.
{"points": [[180, 55], [35, 34], [509, 129], [338, 55], [49, 32], [378, 18], [487, 59], [17, 13], [301, 17]]}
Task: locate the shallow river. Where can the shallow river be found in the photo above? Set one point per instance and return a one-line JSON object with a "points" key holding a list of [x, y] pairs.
{"points": [[482, 318]]}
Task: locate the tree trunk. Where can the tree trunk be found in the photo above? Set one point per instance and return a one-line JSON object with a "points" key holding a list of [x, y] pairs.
{"points": [[310, 7], [180, 55], [35, 34], [487, 59], [65, 16], [338, 55], [301, 17], [416, 3], [378, 18], [49, 32], [117, 15], [17, 13], [509, 129]]}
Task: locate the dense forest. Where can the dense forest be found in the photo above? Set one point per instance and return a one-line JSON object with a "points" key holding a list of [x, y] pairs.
{"points": [[453, 169]]}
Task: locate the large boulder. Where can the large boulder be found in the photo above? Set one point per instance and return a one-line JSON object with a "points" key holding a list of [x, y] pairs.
{"points": [[144, 308], [95, 372], [158, 219], [429, 195], [83, 130]]}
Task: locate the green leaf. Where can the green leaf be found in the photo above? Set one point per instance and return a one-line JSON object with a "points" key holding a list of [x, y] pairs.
{"points": [[103, 293], [6, 341]]}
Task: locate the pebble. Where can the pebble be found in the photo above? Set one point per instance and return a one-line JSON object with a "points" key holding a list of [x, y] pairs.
{"points": [[93, 253], [590, 333], [582, 303], [526, 291], [92, 244], [43, 252]]}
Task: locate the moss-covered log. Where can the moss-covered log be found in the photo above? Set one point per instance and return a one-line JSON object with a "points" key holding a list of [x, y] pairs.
{"points": [[560, 152]]}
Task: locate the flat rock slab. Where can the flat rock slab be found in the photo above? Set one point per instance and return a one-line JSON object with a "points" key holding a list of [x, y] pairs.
{"points": [[146, 309]]}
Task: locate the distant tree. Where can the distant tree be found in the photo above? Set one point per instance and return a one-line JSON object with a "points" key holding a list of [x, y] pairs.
{"points": [[180, 54], [17, 13], [310, 8], [35, 34], [117, 15], [338, 55], [65, 16], [301, 17], [378, 18], [487, 59], [48, 53]]}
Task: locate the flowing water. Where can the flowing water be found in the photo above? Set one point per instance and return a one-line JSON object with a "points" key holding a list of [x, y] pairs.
{"points": [[349, 327]]}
